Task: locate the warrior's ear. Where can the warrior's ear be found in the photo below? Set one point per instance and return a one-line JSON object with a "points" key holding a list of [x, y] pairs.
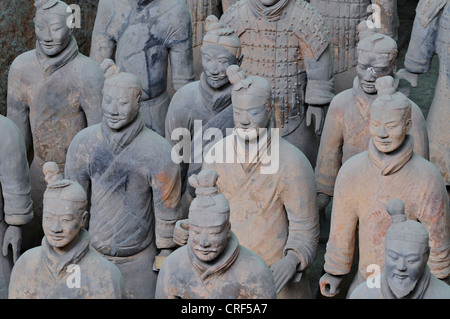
{"points": [[408, 125], [84, 217]]}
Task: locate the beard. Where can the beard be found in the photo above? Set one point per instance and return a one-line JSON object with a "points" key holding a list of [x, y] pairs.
{"points": [[401, 288]]}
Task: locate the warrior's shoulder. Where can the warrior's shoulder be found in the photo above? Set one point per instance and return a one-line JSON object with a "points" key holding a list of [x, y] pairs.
{"points": [[24, 61], [309, 25], [237, 17]]}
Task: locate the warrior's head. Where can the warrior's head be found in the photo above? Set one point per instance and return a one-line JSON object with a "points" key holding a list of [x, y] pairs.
{"points": [[220, 49], [209, 217], [121, 96], [390, 116], [252, 103], [377, 57], [53, 32], [406, 249], [64, 209]]}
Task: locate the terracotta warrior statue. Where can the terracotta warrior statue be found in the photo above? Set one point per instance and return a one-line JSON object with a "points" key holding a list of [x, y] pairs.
{"points": [[53, 93], [15, 198], [64, 267], [429, 37], [367, 181], [227, 3], [213, 265], [134, 185], [270, 189], [288, 43], [406, 274], [142, 37], [199, 11], [346, 129], [207, 101], [343, 17]]}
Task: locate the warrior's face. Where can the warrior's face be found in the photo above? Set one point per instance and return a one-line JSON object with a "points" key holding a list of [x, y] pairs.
{"points": [[250, 113], [52, 33], [62, 221], [388, 127], [371, 66], [208, 235], [120, 105], [405, 263], [215, 61]]}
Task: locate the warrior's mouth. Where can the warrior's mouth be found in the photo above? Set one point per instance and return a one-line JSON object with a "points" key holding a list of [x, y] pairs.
{"points": [[401, 276], [114, 119], [384, 143]]}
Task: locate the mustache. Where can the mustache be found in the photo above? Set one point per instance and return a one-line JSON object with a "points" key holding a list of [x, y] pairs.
{"points": [[114, 117], [204, 250]]}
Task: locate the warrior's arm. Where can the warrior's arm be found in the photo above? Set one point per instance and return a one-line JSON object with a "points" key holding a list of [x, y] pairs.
{"points": [[299, 198], [17, 108], [434, 215], [14, 176], [180, 51], [340, 246], [419, 133], [329, 159], [166, 185], [103, 43], [422, 45], [77, 159], [320, 86], [91, 100]]}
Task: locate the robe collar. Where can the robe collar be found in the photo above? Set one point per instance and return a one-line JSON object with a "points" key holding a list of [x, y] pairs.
{"points": [[272, 13], [418, 291], [51, 64], [221, 264], [363, 100], [391, 163], [57, 264], [117, 140], [215, 100]]}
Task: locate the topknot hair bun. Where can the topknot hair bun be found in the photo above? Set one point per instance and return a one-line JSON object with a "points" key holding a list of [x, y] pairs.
{"points": [[396, 209], [386, 85], [235, 74], [109, 68]]}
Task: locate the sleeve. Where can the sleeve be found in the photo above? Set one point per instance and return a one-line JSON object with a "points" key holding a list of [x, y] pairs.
{"points": [[103, 43], [422, 45], [77, 168], [91, 101], [180, 49], [299, 199], [166, 185], [329, 158], [434, 215], [14, 176], [419, 133], [341, 242], [320, 85], [17, 108], [315, 45]]}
